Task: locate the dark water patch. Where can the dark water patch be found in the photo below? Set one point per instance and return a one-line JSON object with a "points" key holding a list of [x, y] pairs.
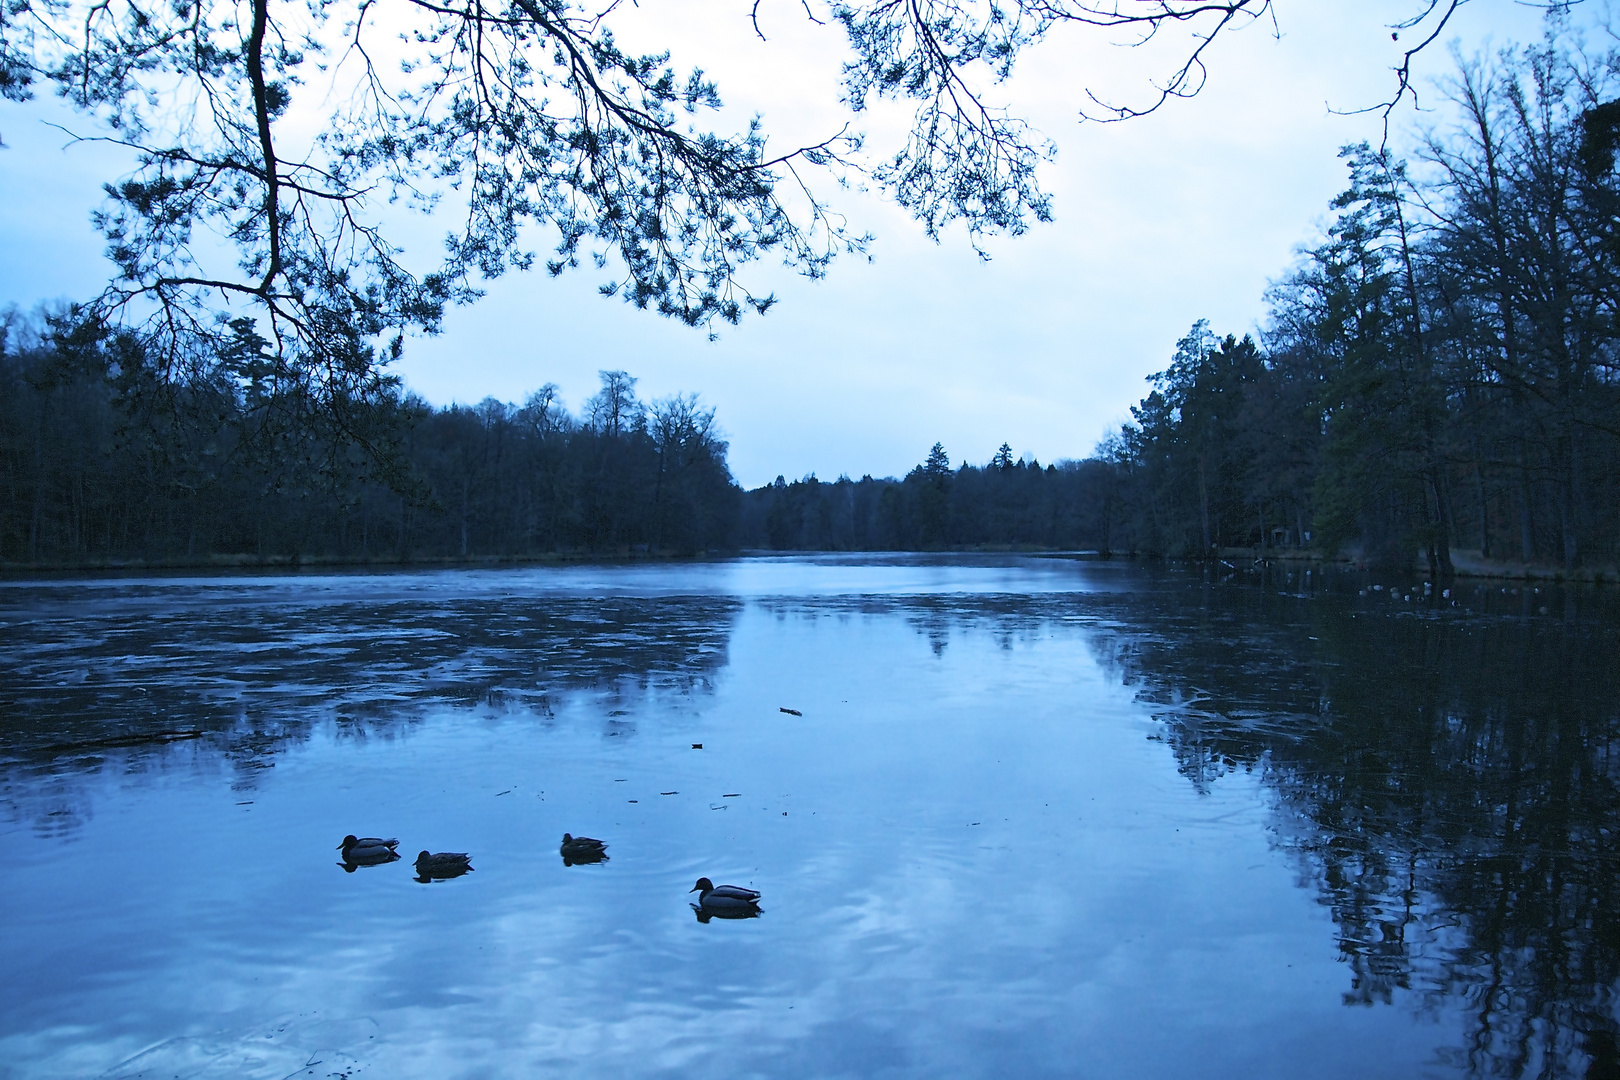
{"points": [[256, 666]]}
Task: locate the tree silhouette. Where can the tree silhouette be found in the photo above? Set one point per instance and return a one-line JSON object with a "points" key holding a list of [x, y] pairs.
{"points": [[269, 136]]}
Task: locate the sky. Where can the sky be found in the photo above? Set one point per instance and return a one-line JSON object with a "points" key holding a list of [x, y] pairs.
{"points": [[1183, 215]]}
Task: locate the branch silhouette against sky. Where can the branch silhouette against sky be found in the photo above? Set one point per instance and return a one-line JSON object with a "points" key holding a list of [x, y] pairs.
{"points": [[272, 139]]}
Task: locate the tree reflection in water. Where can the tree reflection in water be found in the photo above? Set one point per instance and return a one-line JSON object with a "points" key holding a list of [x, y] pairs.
{"points": [[1446, 778], [1449, 779]]}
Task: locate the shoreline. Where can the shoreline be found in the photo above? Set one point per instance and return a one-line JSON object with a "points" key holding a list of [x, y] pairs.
{"points": [[1466, 564], [299, 563]]}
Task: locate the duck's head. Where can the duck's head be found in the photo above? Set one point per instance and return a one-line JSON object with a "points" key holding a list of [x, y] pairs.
{"points": [[347, 840], [423, 857], [703, 885], [568, 838]]}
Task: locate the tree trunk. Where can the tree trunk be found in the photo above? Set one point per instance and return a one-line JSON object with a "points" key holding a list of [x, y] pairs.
{"points": [[1527, 533], [36, 518], [1203, 504], [1444, 529], [1571, 507], [1431, 528]]}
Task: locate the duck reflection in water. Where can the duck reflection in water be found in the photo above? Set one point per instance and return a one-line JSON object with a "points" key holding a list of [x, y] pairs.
{"points": [[440, 865], [582, 850], [361, 851], [724, 901]]}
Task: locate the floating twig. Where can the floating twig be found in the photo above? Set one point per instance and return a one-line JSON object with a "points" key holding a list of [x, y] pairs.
{"points": [[125, 740]]}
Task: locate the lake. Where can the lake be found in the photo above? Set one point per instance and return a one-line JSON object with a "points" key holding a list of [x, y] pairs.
{"points": [[1030, 817]]}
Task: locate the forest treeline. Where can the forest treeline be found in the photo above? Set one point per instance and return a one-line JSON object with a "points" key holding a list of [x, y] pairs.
{"points": [[1440, 372], [1008, 503], [100, 461]]}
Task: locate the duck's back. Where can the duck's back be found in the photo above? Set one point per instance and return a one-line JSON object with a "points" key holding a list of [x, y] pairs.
{"points": [[729, 896]]}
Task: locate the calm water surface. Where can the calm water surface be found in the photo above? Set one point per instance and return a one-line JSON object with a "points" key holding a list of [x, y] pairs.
{"points": [[1039, 818]]}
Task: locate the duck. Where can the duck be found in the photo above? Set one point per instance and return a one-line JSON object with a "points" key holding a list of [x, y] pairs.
{"points": [[581, 845], [582, 849], [368, 850], [442, 864], [722, 898]]}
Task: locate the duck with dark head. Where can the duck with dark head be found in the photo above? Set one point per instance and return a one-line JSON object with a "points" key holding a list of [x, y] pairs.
{"points": [[361, 851], [724, 901]]}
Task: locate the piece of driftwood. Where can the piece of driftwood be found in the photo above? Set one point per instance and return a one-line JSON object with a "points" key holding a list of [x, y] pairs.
{"points": [[114, 741]]}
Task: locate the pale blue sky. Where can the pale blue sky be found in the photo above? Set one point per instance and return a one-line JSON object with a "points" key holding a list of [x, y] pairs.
{"points": [[1183, 215]]}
